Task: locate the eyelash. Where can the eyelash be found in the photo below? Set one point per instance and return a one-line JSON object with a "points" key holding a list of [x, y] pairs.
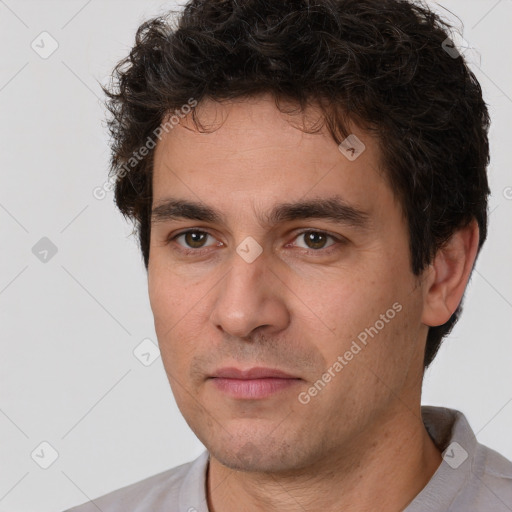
{"points": [[199, 252]]}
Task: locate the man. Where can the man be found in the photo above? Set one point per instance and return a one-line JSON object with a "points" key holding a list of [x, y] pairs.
{"points": [[308, 181]]}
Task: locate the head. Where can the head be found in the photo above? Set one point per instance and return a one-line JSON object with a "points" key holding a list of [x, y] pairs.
{"points": [[255, 98]]}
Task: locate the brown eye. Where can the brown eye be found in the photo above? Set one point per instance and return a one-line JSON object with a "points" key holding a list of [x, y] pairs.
{"points": [[192, 239], [315, 240], [195, 239]]}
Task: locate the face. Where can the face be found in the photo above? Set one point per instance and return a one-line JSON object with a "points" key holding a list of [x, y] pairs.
{"points": [[286, 331]]}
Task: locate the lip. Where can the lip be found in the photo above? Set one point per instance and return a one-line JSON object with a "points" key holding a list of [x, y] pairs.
{"points": [[251, 373], [253, 383]]}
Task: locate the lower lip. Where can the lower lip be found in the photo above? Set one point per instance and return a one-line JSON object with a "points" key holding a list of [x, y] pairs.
{"points": [[252, 389]]}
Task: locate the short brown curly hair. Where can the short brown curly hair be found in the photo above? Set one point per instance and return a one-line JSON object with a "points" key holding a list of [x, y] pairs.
{"points": [[383, 63]]}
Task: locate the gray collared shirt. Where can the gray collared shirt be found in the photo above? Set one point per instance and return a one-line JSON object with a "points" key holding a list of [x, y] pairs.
{"points": [[471, 478]]}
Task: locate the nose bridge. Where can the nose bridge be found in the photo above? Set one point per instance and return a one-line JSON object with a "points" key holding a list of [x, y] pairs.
{"points": [[249, 296]]}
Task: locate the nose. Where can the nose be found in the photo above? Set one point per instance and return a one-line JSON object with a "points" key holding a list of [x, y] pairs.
{"points": [[251, 296]]}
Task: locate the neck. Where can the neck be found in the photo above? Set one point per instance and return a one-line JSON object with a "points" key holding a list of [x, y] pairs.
{"points": [[382, 469]]}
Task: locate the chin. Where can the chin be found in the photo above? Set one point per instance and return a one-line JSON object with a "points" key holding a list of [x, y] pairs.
{"points": [[260, 455]]}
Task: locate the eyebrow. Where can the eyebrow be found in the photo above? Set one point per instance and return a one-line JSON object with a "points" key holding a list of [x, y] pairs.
{"points": [[333, 209]]}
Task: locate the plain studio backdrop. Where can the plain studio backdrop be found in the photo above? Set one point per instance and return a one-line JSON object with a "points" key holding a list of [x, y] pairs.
{"points": [[74, 396]]}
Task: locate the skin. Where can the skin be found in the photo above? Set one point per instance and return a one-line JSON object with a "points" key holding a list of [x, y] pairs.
{"points": [[359, 444]]}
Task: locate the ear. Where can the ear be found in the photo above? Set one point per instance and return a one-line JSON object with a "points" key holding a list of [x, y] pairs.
{"points": [[447, 276]]}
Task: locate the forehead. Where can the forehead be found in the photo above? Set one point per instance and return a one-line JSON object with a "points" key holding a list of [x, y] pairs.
{"points": [[251, 123], [249, 150]]}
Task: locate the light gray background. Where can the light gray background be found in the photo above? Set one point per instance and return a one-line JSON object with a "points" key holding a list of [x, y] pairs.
{"points": [[69, 326]]}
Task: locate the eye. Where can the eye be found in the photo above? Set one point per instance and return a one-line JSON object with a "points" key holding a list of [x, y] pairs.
{"points": [[316, 240], [193, 239]]}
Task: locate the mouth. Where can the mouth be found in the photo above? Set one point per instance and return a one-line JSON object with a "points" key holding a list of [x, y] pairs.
{"points": [[254, 383]]}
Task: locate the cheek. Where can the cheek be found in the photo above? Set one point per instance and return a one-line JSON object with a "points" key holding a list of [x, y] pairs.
{"points": [[345, 300], [361, 305], [163, 302], [177, 310], [169, 292], [169, 303]]}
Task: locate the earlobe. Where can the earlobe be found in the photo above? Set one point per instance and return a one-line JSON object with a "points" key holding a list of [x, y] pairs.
{"points": [[449, 274]]}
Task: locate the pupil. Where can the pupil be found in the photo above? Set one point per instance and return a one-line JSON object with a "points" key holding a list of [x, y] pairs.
{"points": [[311, 238], [194, 238]]}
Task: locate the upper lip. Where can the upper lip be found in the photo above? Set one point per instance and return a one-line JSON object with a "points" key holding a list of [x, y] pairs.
{"points": [[251, 373]]}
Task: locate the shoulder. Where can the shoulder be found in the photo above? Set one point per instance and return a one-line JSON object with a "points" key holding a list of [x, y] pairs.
{"points": [[157, 492], [471, 477], [492, 480]]}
